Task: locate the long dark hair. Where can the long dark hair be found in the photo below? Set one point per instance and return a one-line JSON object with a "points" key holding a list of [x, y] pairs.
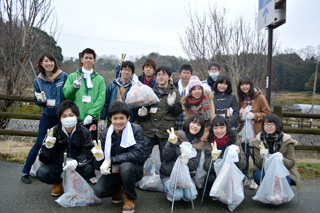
{"points": [[51, 58], [221, 79], [245, 80], [194, 118], [221, 121]]}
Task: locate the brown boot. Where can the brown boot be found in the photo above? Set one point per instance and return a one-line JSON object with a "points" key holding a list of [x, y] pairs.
{"points": [[118, 198], [57, 189], [128, 206]]}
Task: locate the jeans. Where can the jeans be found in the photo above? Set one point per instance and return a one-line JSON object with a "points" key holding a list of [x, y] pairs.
{"points": [[150, 142], [46, 122], [50, 174], [109, 185], [181, 192], [257, 175]]}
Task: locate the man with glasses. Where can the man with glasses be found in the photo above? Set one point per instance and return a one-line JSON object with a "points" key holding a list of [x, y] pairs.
{"points": [[156, 119], [214, 72], [117, 91]]}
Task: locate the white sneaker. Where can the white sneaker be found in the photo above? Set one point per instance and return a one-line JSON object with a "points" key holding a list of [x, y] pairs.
{"points": [[253, 185], [246, 182], [93, 180]]}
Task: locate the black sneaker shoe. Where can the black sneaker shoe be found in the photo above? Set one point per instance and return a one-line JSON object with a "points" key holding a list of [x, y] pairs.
{"points": [[26, 179]]}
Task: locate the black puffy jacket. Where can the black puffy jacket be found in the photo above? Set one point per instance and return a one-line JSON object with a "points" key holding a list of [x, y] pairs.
{"points": [[133, 154], [81, 145]]}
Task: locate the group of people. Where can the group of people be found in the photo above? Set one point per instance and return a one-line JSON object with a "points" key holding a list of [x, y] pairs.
{"points": [[201, 113]]}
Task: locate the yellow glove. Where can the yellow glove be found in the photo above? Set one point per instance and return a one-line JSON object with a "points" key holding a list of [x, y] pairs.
{"points": [[97, 151], [50, 140], [123, 56], [263, 150], [172, 137], [215, 152]]}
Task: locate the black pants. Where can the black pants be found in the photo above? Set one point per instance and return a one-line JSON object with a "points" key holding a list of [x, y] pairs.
{"points": [[109, 185], [212, 177], [50, 174], [93, 128], [149, 144]]}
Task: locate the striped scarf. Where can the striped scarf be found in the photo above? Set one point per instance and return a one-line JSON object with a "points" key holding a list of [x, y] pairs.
{"points": [[203, 106]]}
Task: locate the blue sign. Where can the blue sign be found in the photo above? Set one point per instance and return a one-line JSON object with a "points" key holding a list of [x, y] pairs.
{"points": [[263, 3]]}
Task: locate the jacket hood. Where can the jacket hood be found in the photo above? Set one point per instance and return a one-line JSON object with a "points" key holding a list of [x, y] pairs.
{"points": [[117, 81], [197, 143], [257, 91], [54, 76], [209, 94], [286, 139]]}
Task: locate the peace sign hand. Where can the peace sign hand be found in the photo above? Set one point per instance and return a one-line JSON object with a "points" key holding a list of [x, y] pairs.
{"points": [[215, 152], [97, 151], [172, 137], [50, 140], [77, 82]]}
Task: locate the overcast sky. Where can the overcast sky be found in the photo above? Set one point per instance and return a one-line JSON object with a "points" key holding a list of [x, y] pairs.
{"points": [[139, 27]]}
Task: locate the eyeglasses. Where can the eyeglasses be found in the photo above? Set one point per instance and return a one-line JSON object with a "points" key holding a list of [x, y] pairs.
{"points": [[269, 125], [163, 74], [126, 70]]}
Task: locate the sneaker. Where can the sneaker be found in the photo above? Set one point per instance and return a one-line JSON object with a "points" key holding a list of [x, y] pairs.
{"points": [[168, 197], [253, 185], [128, 206], [118, 198], [26, 179], [246, 182], [57, 189], [93, 180]]}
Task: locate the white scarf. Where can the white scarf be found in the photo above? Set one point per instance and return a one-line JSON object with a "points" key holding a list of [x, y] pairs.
{"points": [[127, 139], [87, 76], [181, 88]]}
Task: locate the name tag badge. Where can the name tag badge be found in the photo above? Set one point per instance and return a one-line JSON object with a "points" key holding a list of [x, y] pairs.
{"points": [[51, 102], [86, 99], [153, 109], [115, 168]]}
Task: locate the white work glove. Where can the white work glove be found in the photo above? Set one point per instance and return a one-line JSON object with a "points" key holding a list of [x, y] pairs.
{"points": [[97, 151], [71, 165], [215, 152], [234, 152], [40, 96], [184, 158], [101, 125], [77, 82], [278, 156], [172, 98], [263, 151], [105, 167], [142, 111], [250, 115], [172, 137], [87, 120], [50, 140], [123, 56]]}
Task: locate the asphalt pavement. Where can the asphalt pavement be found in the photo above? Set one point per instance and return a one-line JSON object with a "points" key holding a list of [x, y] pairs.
{"points": [[18, 197]]}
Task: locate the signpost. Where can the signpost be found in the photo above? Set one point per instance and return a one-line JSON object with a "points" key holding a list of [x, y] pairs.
{"points": [[272, 14]]}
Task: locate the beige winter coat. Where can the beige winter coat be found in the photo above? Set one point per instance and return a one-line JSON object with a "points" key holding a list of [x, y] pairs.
{"points": [[286, 149]]}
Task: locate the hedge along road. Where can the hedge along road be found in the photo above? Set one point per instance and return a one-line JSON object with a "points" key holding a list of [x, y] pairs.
{"points": [[36, 197]]}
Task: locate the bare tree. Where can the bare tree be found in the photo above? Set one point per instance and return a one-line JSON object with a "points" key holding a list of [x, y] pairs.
{"points": [[18, 44], [235, 45]]}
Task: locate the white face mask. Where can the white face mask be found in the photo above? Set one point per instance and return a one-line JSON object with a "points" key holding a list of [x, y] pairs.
{"points": [[69, 121], [214, 75]]}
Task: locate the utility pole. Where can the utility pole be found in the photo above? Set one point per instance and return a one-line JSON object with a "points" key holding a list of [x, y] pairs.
{"points": [[314, 85]]}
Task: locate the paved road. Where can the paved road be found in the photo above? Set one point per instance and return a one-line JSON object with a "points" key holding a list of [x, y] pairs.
{"points": [[18, 197]]}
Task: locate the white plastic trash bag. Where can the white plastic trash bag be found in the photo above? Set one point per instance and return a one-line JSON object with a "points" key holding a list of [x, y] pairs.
{"points": [[247, 132], [151, 180], [77, 192], [141, 95], [200, 176], [228, 186], [184, 178], [274, 188], [34, 168]]}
